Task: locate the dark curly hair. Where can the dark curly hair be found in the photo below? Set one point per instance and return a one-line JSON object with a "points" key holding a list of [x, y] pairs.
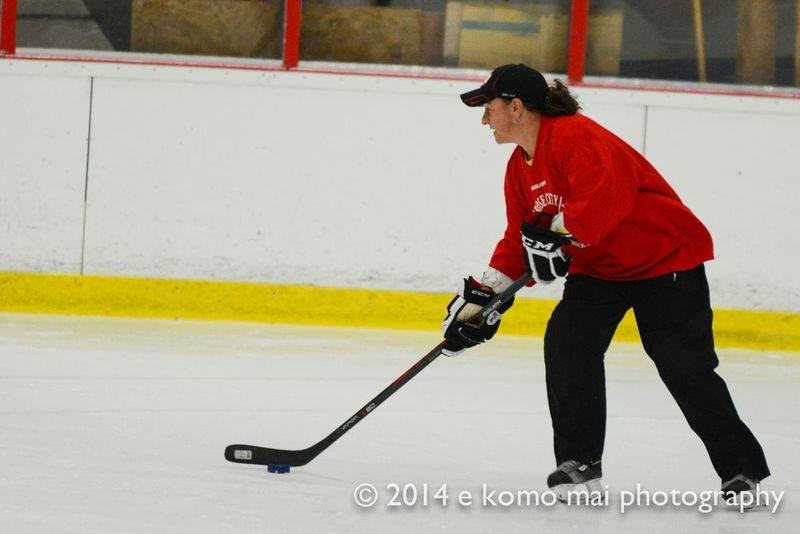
{"points": [[559, 101]]}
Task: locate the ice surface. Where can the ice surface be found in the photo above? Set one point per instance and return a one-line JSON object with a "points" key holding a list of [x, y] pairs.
{"points": [[118, 426]]}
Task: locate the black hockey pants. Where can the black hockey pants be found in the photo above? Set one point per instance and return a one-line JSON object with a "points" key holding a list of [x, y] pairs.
{"points": [[673, 313]]}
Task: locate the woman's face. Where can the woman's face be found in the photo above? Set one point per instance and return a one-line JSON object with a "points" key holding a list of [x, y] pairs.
{"points": [[498, 116]]}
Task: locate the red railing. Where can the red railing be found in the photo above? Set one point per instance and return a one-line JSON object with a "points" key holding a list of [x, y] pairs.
{"points": [[579, 22], [291, 56], [8, 27], [291, 33]]}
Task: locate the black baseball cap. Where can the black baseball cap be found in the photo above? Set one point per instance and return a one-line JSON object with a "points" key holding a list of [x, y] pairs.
{"points": [[511, 81]]}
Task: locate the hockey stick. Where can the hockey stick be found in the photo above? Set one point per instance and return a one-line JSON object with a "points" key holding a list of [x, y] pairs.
{"points": [[251, 454]]}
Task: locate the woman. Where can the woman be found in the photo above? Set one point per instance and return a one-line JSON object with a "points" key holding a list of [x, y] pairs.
{"points": [[583, 204]]}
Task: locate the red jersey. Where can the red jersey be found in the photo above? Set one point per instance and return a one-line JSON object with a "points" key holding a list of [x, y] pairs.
{"points": [[627, 222]]}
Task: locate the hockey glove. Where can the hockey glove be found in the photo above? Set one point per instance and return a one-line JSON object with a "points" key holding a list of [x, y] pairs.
{"points": [[543, 254], [458, 328]]}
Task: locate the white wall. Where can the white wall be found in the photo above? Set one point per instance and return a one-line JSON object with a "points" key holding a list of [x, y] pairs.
{"points": [[345, 180], [43, 125]]}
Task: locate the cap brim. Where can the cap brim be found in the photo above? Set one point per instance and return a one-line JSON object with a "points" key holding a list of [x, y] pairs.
{"points": [[475, 98]]}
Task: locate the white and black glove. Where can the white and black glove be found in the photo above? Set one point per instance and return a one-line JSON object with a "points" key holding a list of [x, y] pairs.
{"points": [[458, 329], [543, 253]]}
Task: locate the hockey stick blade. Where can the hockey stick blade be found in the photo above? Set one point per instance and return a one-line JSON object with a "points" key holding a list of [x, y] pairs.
{"points": [[252, 454]]}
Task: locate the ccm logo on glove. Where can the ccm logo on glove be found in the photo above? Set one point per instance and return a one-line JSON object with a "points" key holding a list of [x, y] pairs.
{"points": [[539, 245]]}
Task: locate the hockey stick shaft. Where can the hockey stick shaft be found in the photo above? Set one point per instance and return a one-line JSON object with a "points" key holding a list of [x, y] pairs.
{"points": [[250, 454]]}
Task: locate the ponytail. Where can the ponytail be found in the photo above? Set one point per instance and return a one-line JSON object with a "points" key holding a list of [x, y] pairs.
{"points": [[559, 101]]}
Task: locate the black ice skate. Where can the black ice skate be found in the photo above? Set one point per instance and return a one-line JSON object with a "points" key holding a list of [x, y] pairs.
{"points": [[741, 492], [573, 481]]}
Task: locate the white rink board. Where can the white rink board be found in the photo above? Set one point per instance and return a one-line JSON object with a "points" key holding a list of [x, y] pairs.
{"points": [[370, 181], [219, 191], [43, 131]]}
